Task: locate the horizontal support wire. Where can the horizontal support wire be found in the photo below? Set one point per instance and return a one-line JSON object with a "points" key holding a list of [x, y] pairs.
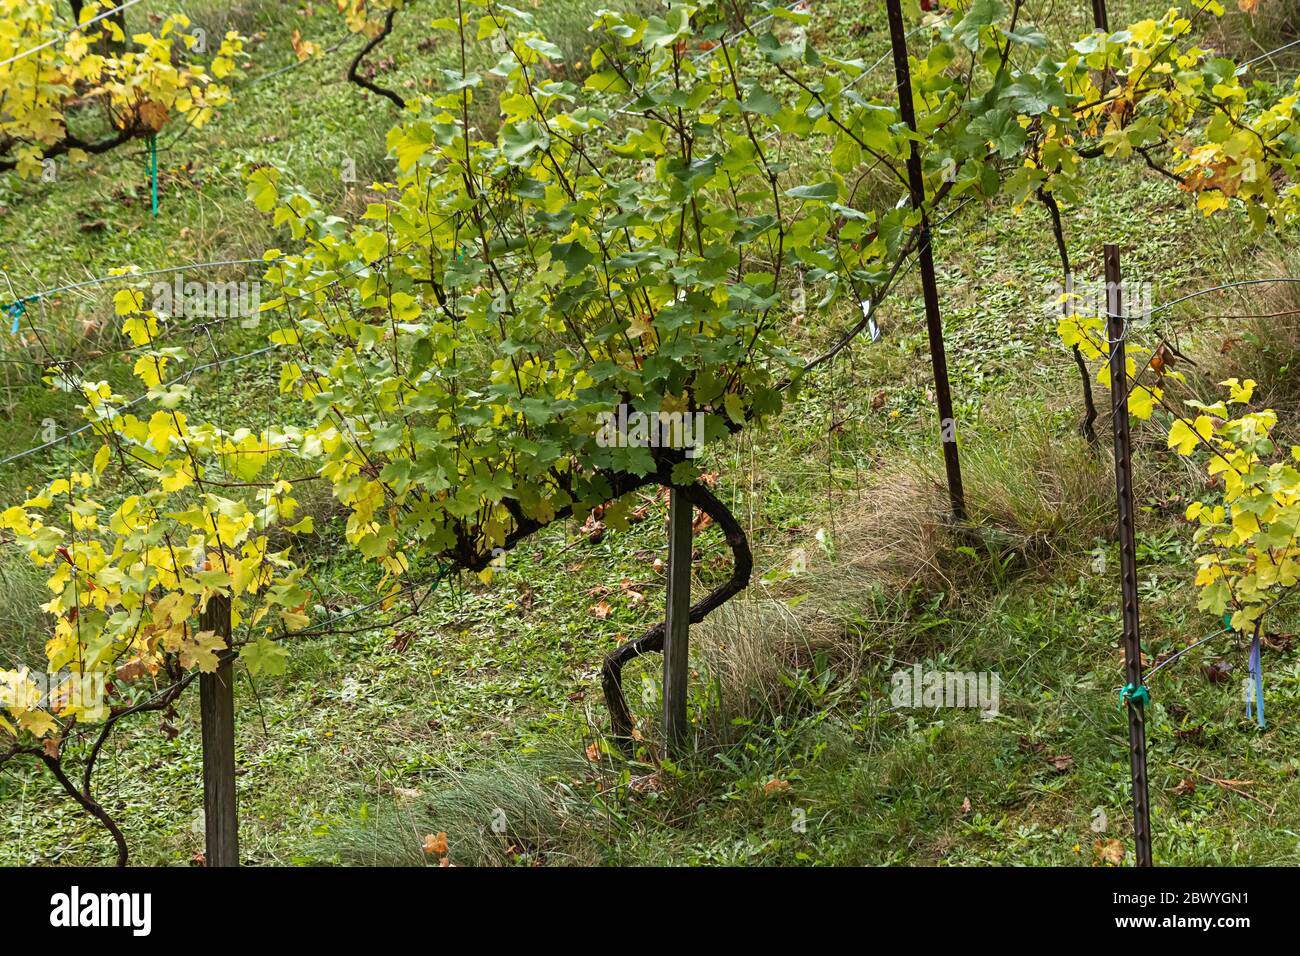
{"points": [[189, 373], [67, 33]]}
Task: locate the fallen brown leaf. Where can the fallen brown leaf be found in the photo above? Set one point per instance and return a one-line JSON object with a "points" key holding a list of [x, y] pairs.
{"points": [[1109, 851], [1062, 762], [1217, 671], [435, 843]]}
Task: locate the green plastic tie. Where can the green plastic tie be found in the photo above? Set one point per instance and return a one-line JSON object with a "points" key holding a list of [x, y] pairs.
{"points": [[1130, 693]]}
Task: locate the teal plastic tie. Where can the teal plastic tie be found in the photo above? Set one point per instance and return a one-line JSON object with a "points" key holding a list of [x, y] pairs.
{"points": [[16, 311], [153, 171], [1130, 693]]}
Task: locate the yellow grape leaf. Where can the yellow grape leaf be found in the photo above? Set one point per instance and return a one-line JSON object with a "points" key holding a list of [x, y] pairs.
{"points": [[1141, 401], [1211, 202], [102, 458], [38, 722], [201, 651], [1183, 437], [1240, 392], [126, 301]]}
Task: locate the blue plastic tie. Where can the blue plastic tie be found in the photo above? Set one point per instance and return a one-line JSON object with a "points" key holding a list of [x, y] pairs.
{"points": [[16, 310], [153, 171], [1257, 674]]}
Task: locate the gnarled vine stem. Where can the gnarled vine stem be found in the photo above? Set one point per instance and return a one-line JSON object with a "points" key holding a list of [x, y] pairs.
{"points": [[360, 80], [611, 675]]}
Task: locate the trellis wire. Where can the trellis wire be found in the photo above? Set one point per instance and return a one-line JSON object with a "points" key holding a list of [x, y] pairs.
{"points": [[1268, 55], [128, 276], [1223, 288], [67, 33], [297, 63], [190, 373]]}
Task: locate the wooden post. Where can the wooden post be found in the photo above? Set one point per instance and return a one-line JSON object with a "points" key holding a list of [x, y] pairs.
{"points": [[217, 713], [1119, 389], [677, 623], [925, 256]]}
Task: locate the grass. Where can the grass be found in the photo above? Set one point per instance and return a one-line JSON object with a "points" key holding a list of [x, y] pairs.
{"points": [[488, 699]]}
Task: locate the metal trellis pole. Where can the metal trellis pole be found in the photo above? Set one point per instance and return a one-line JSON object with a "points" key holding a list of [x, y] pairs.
{"points": [[1099, 17], [925, 259], [1134, 693]]}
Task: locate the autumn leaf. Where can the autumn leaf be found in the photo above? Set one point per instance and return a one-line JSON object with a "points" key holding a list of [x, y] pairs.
{"points": [[776, 785], [37, 722], [153, 115], [1216, 672], [648, 783], [133, 669], [600, 610], [302, 48], [201, 651], [1109, 851], [435, 843]]}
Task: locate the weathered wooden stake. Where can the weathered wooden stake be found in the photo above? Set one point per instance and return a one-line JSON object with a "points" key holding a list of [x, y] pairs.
{"points": [[925, 256], [217, 713], [677, 623], [1119, 388]]}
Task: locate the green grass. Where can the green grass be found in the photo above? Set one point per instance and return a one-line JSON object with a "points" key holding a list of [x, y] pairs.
{"points": [[488, 700]]}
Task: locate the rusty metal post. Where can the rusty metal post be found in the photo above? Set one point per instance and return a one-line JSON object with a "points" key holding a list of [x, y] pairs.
{"points": [[1134, 692], [1099, 17], [925, 258]]}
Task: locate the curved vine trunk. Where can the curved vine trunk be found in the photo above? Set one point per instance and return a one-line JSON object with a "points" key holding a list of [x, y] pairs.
{"points": [[355, 77], [88, 804], [611, 672], [1086, 427]]}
